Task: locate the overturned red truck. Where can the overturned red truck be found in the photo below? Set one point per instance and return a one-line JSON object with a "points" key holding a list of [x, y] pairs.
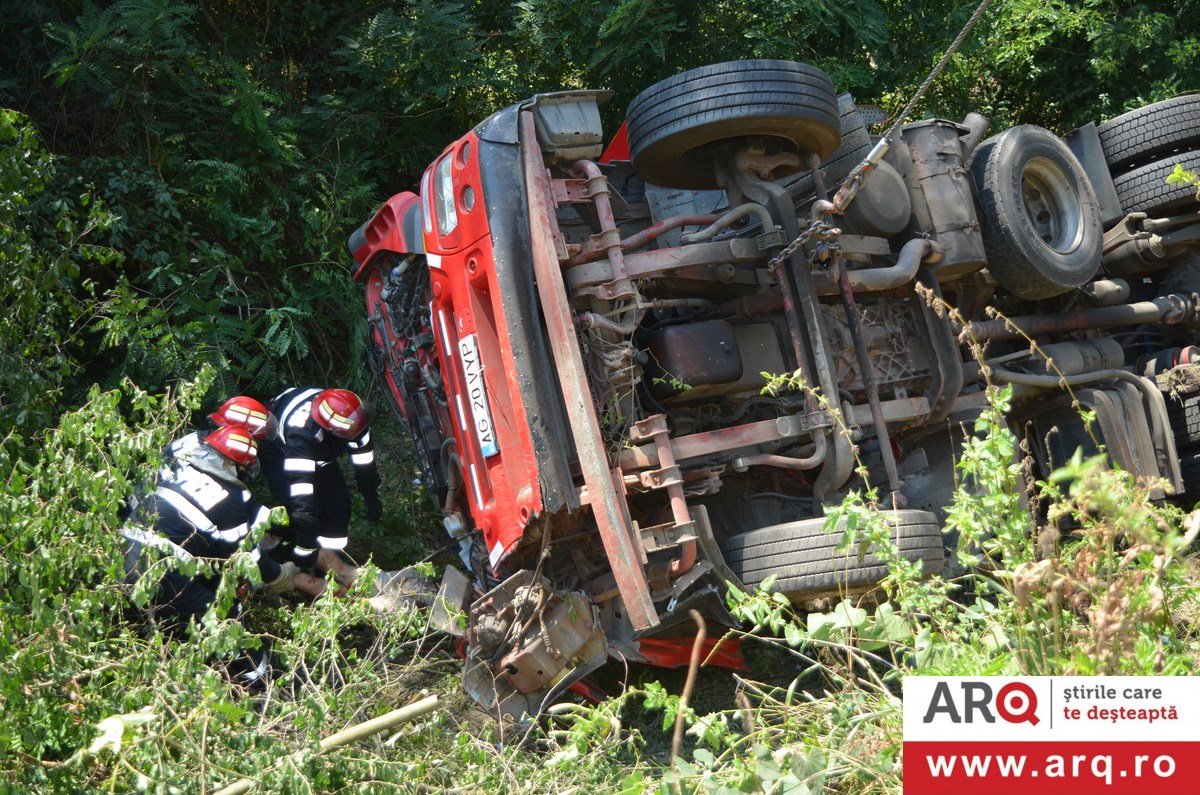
{"points": [[579, 344]]}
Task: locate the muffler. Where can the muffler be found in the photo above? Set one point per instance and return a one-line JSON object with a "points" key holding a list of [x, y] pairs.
{"points": [[942, 198]]}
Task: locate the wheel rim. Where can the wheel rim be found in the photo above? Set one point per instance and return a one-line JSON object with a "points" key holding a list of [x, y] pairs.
{"points": [[1051, 205]]}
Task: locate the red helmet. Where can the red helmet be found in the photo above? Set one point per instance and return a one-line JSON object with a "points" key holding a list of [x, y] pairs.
{"points": [[246, 412], [340, 412], [235, 443]]}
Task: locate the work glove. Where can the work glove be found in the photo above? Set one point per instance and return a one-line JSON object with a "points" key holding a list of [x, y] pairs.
{"points": [[286, 581], [374, 507]]}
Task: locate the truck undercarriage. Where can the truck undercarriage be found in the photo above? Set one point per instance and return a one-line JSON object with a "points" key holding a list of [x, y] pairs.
{"points": [[633, 380]]}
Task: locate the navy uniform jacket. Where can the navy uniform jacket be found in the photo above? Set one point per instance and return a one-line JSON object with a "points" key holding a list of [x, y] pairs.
{"points": [[208, 516], [302, 448]]}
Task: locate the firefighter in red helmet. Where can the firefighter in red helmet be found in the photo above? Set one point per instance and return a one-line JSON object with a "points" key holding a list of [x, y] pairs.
{"points": [[246, 412], [202, 509], [239, 411], [316, 426]]}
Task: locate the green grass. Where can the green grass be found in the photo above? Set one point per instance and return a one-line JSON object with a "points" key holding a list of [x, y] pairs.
{"points": [[1106, 588]]}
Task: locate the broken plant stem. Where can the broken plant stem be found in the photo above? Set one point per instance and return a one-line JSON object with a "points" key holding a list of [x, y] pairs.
{"points": [[689, 683], [349, 735]]}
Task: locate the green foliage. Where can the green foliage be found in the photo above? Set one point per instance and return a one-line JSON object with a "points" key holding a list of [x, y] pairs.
{"points": [[228, 150], [94, 699], [47, 252], [1114, 597], [1181, 176], [62, 612], [986, 511], [1063, 64]]}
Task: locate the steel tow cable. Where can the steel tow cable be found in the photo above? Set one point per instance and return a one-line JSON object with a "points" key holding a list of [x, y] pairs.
{"points": [[858, 176], [938, 67]]}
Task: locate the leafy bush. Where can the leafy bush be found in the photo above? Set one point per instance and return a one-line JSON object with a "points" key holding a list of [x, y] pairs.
{"points": [[93, 698], [47, 250], [235, 146]]}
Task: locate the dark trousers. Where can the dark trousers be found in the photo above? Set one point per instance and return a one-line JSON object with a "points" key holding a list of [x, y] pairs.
{"points": [[181, 599], [332, 497]]}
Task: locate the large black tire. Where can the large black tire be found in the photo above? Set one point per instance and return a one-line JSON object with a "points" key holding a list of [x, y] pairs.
{"points": [[854, 146], [672, 122], [1139, 136], [1037, 211], [1189, 467], [1145, 189], [805, 558]]}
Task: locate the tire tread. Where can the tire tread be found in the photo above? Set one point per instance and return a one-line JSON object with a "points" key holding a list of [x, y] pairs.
{"points": [[1011, 255], [1145, 189], [675, 116], [806, 561], [1146, 133]]}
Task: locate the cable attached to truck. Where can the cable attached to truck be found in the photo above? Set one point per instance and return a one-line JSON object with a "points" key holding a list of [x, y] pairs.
{"points": [[857, 177]]}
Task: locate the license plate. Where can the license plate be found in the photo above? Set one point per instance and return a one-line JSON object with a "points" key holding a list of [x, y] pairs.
{"points": [[485, 432]]}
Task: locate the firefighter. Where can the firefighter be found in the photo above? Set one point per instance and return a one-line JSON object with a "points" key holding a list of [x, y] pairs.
{"points": [[239, 411], [301, 466], [204, 510]]}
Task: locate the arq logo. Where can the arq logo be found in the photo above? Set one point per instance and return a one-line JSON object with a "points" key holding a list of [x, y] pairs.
{"points": [[1016, 702]]}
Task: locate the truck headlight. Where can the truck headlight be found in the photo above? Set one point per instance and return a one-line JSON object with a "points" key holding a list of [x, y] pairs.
{"points": [[426, 203], [443, 197]]}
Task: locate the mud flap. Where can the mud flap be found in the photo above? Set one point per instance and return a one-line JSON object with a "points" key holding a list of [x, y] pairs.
{"points": [[1135, 433]]}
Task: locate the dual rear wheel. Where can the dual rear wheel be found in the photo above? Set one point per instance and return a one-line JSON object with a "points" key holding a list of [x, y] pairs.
{"points": [[1142, 147]]}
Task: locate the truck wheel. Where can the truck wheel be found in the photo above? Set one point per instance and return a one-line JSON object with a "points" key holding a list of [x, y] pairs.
{"points": [[808, 565], [672, 122], [1145, 189], [1038, 213], [1148, 133]]}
